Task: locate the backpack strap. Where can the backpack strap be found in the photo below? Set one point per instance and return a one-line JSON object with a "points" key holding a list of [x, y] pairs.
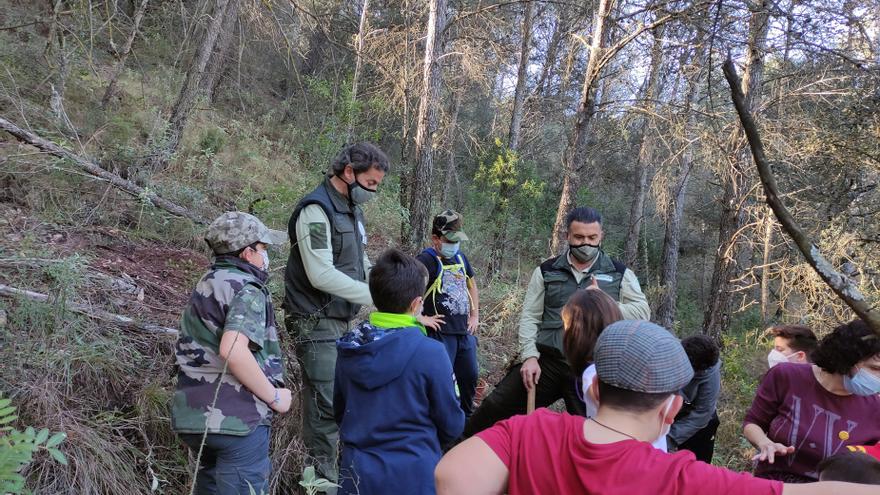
{"points": [[619, 266]]}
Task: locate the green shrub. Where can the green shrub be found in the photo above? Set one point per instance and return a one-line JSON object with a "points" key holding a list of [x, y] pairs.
{"points": [[17, 448]]}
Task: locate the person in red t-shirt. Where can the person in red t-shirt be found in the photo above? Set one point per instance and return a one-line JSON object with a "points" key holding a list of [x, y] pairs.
{"points": [[805, 413], [640, 367]]}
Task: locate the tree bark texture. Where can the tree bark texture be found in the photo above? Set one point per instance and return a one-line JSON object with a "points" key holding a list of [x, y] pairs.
{"points": [[96, 170], [576, 152], [119, 66], [717, 316], [519, 95], [426, 126], [189, 93], [646, 154], [359, 49], [839, 283]]}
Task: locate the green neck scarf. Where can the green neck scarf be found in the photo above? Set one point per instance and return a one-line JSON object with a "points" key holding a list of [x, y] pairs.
{"points": [[395, 320]]}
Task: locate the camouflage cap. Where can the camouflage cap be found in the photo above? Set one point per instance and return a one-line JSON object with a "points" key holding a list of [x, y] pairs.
{"points": [[448, 225], [235, 230]]}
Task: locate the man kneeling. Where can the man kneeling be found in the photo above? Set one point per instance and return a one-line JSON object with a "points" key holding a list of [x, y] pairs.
{"points": [[394, 397], [640, 369]]}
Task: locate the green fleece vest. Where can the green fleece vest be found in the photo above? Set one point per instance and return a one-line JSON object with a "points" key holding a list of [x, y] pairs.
{"points": [[560, 284]]}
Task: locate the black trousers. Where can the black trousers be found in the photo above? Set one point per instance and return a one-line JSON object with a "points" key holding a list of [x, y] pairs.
{"points": [[702, 444], [509, 396]]}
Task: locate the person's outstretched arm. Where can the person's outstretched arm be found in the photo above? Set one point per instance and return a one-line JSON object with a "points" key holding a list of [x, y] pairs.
{"points": [[471, 468], [828, 487]]}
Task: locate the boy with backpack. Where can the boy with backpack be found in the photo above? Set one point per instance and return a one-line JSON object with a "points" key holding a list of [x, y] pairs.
{"points": [[394, 395], [452, 302]]}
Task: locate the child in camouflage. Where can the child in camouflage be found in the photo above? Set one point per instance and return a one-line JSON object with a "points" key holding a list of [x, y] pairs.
{"points": [[229, 379]]}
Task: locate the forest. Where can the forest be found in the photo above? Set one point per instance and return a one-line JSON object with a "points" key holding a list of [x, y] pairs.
{"points": [[126, 126]]}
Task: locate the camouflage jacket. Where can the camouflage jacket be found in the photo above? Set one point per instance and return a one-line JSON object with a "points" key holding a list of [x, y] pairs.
{"points": [[230, 296]]}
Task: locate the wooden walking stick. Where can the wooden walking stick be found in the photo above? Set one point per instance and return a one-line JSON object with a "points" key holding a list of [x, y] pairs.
{"points": [[530, 402]]}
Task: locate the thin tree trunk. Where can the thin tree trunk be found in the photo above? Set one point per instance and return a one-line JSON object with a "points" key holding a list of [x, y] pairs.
{"points": [[217, 63], [123, 55], [645, 159], [451, 171], [189, 93], [559, 27], [576, 152], [420, 185], [359, 49], [717, 317], [519, 96], [765, 268], [667, 305]]}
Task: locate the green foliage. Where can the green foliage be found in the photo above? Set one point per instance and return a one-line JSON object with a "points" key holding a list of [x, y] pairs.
{"points": [[17, 448], [314, 484], [212, 140]]}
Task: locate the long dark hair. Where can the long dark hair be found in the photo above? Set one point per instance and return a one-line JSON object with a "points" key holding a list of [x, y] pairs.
{"points": [[585, 315]]}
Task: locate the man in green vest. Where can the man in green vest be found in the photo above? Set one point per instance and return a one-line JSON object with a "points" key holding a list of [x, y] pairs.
{"points": [[583, 266], [325, 285]]}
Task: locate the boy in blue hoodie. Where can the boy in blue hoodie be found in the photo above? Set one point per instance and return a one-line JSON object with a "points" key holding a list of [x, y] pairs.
{"points": [[394, 395]]}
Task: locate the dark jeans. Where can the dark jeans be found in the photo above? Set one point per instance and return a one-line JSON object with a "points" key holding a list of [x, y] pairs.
{"points": [[509, 396], [230, 464], [462, 350], [702, 444]]}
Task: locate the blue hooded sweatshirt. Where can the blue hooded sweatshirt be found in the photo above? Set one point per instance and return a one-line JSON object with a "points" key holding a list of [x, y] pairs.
{"points": [[395, 403]]}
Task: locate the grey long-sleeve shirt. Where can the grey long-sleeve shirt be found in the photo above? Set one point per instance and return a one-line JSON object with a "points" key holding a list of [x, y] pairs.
{"points": [[633, 304], [702, 394], [318, 263]]}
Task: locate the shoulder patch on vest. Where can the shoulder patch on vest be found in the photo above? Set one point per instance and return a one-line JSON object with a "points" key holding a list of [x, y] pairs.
{"points": [[318, 235]]}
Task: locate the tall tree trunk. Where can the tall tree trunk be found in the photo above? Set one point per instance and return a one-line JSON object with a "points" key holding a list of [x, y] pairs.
{"points": [[576, 152], [359, 49], [559, 29], [123, 55], [426, 125], [189, 93], [667, 304], [717, 316], [451, 171], [217, 63], [519, 95], [646, 153]]}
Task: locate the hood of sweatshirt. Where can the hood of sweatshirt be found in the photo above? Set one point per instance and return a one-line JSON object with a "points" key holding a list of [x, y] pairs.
{"points": [[371, 356]]}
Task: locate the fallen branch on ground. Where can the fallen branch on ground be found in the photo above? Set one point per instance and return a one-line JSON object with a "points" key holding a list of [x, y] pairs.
{"points": [[839, 283], [96, 170], [95, 313]]}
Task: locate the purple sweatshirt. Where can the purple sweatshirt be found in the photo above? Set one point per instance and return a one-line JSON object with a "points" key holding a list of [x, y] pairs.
{"points": [[794, 409]]}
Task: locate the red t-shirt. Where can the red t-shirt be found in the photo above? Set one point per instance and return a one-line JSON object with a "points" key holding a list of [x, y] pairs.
{"points": [[546, 453], [794, 409]]}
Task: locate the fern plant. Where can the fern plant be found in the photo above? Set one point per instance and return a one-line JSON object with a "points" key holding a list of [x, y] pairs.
{"points": [[17, 448]]}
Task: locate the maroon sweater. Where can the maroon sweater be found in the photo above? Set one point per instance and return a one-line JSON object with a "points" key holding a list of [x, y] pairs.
{"points": [[794, 409]]}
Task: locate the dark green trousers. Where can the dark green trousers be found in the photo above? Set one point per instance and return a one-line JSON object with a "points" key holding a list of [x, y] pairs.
{"points": [[315, 341], [509, 396]]}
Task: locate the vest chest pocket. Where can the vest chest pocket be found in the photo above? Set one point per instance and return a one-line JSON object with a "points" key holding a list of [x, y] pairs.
{"points": [[343, 235], [557, 289]]}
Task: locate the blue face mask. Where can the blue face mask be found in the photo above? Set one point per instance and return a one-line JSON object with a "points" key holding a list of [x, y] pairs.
{"points": [[449, 249], [862, 383]]}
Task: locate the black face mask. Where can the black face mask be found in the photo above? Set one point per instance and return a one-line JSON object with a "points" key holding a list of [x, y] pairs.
{"points": [[358, 194]]}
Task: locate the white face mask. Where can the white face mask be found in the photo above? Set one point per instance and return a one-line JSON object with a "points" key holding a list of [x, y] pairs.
{"points": [[265, 255], [776, 357], [665, 427]]}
